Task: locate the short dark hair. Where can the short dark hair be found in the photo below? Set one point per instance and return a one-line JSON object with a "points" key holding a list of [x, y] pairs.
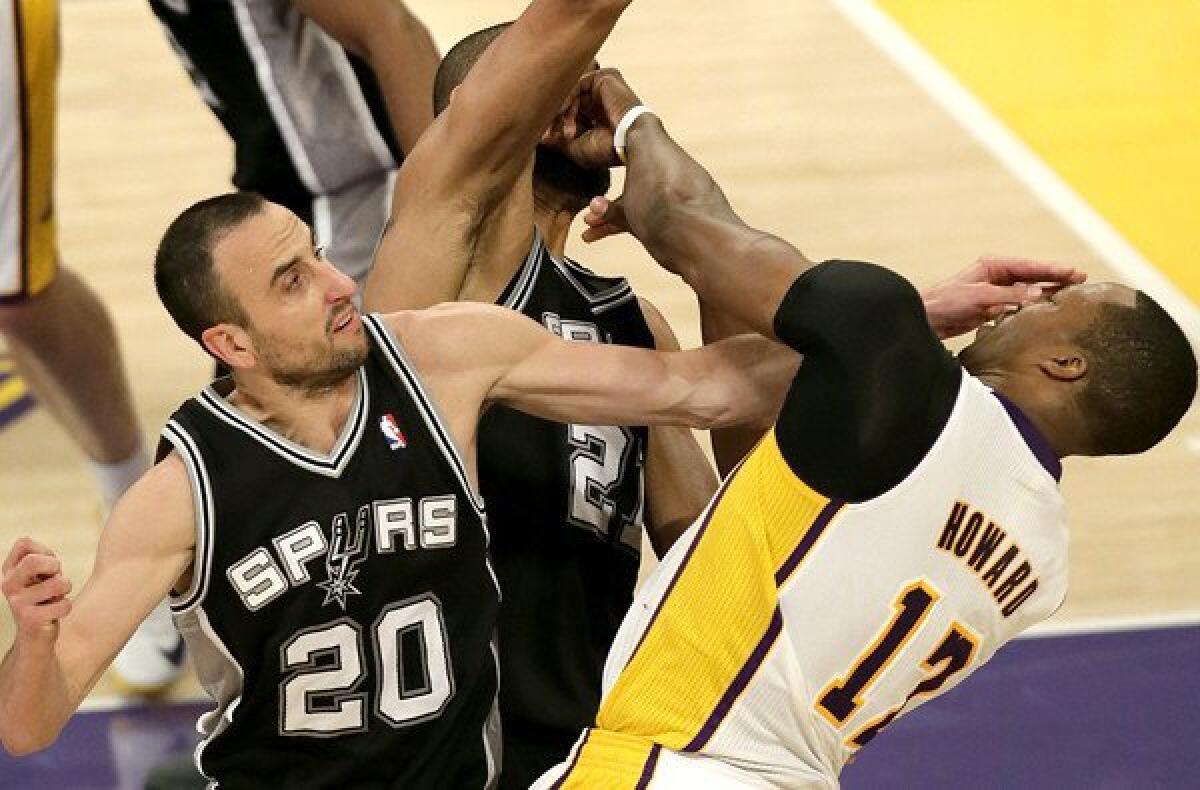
{"points": [[558, 183], [459, 61], [184, 275], [1141, 377]]}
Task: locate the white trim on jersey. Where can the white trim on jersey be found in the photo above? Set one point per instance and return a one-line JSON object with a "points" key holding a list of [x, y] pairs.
{"points": [[275, 101], [527, 275], [323, 224], [600, 302], [491, 726], [433, 419], [219, 718], [358, 102], [437, 426], [11, 159], [205, 519], [331, 465]]}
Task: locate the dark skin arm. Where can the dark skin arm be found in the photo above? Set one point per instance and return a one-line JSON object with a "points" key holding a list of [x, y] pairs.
{"points": [[666, 186]]}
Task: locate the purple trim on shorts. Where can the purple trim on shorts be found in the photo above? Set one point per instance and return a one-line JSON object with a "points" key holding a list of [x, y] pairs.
{"points": [[574, 761], [648, 771], [744, 676], [683, 565], [808, 541], [1038, 444], [26, 150]]}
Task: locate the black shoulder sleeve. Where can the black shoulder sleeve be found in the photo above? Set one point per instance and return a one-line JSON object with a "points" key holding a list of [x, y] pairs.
{"points": [[876, 386]]}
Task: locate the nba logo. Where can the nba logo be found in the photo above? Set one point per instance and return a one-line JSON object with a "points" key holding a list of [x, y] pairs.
{"points": [[391, 432]]}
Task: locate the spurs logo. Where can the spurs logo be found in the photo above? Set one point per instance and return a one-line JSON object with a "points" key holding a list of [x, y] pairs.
{"points": [[347, 550]]}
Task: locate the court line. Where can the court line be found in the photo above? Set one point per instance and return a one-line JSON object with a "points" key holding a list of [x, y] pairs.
{"points": [[1019, 159], [110, 702], [1104, 625]]}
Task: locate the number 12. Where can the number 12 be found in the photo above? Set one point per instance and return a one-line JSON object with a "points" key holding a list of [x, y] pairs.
{"points": [[843, 696]]}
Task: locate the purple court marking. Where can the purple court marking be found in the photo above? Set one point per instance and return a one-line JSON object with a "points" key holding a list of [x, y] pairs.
{"points": [[1097, 711], [110, 750]]}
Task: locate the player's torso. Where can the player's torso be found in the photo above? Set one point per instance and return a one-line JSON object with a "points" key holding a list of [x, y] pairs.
{"points": [[307, 118], [801, 626], [342, 608], [565, 506]]}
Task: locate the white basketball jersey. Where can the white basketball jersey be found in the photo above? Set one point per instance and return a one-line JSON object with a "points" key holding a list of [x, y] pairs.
{"points": [[784, 629]]}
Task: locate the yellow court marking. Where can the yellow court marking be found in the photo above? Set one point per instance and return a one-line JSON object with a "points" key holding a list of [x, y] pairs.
{"points": [[1106, 92], [12, 391]]}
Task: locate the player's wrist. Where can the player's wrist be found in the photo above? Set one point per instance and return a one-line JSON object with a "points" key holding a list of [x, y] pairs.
{"points": [[631, 119]]}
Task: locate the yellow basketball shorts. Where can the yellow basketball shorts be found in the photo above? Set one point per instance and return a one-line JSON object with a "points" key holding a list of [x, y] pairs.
{"points": [[28, 74]]}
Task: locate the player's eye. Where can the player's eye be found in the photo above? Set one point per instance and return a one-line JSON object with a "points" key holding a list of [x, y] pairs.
{"points": [[319, 251]]}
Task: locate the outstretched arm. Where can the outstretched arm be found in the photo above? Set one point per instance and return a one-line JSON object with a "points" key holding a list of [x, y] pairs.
{"points": [[454, 200], [398, 48], [473, 354], [63, 646], [679, 478]]}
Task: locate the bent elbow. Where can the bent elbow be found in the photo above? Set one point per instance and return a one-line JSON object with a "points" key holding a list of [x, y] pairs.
{"points": [[24, 743]]}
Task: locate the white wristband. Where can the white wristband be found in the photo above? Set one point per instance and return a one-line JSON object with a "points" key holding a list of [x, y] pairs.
{"points": [[631, 115]]}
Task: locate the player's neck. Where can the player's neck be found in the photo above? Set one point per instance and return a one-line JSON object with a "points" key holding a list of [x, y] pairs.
{"points": [[312, 418], [1040, 408], [555, 227]]}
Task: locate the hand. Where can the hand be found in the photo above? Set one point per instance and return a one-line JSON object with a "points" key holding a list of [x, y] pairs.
{"points": [[584, 128], [604, 218], [35, 589], [990, 288]]}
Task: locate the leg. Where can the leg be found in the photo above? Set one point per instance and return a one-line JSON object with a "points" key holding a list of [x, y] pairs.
{"points": [[63, 343], [60, 335]]}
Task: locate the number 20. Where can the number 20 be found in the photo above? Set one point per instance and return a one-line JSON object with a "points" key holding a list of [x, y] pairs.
{"points": [[342, 710]]}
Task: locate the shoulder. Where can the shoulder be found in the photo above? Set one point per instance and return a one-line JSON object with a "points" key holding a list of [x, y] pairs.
{"points": [[160, 505], [664, 335], [454, 336]]}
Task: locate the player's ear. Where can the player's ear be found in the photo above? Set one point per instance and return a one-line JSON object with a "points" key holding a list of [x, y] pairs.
{"points": [[230, 344], [1065, 363]]}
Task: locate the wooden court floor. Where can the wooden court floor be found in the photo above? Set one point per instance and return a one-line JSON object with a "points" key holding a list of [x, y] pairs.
{"points": [[813, 131]]}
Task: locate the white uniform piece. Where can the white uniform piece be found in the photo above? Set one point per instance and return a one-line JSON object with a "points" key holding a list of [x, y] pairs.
{"points": [[784, 629]]}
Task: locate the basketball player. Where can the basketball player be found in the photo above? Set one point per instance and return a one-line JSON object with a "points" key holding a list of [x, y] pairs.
{"points": [[320, 98], [900, 522], [566, 503], [313, 94], [317, 517], [59, 334]]}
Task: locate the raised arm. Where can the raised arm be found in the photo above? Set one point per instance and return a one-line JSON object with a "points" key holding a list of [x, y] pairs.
{"points": [[63, 646], [454, 197], [396, 45]]}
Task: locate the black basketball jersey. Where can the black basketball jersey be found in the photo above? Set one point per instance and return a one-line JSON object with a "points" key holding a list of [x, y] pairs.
{"points": [[306, 116], [565, 506], [342, 609]]}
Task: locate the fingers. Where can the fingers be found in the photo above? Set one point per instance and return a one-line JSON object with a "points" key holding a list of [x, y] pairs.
{"points": [[22, 548], [50, 590], [34, 585], [1008, 271]]}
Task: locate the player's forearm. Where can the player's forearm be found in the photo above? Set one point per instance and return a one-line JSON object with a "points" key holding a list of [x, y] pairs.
{"points": [[681, 215], [732, 443], [679, 483], [35, 700], [404, 58], [518, 86]]}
